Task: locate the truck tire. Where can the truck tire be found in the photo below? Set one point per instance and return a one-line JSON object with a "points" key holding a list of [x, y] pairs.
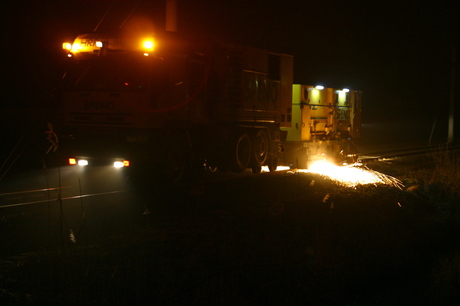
{"points": [[241, 151], [272, 162], [260, 147]]}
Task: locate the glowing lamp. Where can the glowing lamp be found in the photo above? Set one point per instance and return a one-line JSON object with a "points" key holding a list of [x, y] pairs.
{"points": [[75, 47], [121, 164], [346, 90], [67, 46], [319, 87], [99, 44], [72, 161], [148, 45], [118, 164], [83, 162]]}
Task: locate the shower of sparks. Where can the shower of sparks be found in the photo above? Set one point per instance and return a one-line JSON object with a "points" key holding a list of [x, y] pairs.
{"points": [[347, 175], [351, 175]]}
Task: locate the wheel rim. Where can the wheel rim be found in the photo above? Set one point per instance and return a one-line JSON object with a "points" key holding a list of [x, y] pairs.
{"points": [[260, 147]]}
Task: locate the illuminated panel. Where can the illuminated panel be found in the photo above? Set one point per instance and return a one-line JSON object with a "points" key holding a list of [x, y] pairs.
{"points": [[72, 161], [315, 96], [342, 97]]}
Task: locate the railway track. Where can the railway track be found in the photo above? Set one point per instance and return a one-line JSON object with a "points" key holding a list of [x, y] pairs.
{"points": [[37, 196], [416, 150]]}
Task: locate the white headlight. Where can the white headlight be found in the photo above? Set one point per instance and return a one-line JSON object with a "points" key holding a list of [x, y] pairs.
{"points": [[118, 164], [82, 162]]}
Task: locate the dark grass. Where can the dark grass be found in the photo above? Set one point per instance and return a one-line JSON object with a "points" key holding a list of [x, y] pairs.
{"points": [[257, 240]]}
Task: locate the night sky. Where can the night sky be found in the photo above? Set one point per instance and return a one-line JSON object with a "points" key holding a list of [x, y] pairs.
{"points": [[397, 52]]}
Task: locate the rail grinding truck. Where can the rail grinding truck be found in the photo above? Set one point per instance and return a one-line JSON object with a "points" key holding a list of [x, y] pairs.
{"points": [[179, 102], [325, 124]]}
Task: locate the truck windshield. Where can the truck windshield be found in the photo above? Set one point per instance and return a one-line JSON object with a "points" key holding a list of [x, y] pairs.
{"points": [[109, 74]]}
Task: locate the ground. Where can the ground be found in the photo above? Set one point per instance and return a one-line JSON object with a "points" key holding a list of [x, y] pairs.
{"points": [[284, 239]]}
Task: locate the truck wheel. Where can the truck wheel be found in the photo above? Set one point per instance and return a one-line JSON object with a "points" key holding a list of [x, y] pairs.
{"points": [[272, 162], [241, 153], [260, 147]]}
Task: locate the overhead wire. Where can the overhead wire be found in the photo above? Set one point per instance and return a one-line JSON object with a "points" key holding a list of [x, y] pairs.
{"points": [[103, 17], [129, 15], [4, 171]]}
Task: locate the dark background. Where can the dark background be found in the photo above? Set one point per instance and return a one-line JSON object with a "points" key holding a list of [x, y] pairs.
{"points": [[266, 236], [398, 53]]}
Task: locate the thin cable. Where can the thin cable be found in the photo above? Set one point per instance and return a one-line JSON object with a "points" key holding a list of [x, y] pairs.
{"points": [[14, 149], [14, 161], [127, 17], [103, 17]]}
